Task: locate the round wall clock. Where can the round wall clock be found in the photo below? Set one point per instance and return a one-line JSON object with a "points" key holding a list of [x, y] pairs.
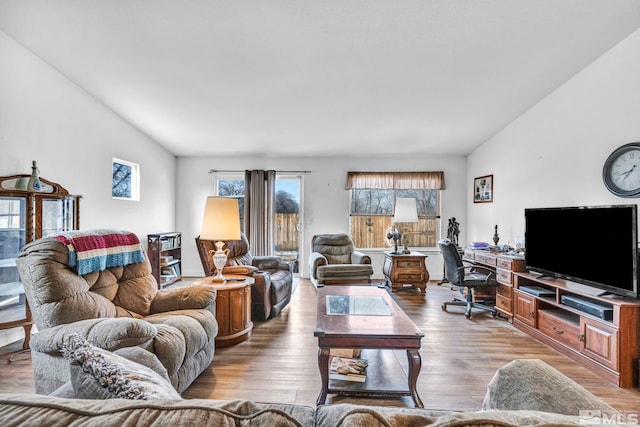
{"points": [[621, 171]]}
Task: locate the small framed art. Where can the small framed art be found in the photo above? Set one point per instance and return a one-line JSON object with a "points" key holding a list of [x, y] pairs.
{"points": [[483, 189]]}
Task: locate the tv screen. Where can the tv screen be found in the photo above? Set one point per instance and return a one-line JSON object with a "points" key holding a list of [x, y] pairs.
{"points": [[592, 245]]}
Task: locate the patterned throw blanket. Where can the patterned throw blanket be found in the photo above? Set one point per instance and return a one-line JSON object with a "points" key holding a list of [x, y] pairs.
{"points": [[97, 250]]}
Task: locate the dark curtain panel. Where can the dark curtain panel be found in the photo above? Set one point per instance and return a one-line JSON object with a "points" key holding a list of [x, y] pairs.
{"points": [[259, 210]]}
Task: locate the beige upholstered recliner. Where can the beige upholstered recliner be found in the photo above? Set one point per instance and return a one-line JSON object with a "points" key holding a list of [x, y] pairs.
{"points": [[334, 261], [116, 307]]}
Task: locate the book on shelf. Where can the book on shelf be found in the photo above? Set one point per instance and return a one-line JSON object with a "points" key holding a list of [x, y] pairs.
{"points": [[170, 241], [173, 270], [166, 278], [347, 369], [166, 244], [165, 259]]}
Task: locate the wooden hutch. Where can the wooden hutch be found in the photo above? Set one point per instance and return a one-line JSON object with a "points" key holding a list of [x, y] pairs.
{"points": [[26, 216]]}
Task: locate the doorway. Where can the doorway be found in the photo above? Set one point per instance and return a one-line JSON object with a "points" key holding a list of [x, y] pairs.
{"points": [[288, 220], [288, 216]]}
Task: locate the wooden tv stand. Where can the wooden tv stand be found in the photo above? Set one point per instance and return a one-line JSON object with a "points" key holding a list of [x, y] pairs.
{"points": [[610, 348]]}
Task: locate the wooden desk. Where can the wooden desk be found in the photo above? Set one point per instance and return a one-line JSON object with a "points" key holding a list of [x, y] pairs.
{"points": [[233, 308], [505, 266], [391, 330], [406, 270]]}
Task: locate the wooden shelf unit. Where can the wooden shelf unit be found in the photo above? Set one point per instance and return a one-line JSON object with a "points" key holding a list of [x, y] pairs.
{"points": [[610, 348], [165, 256]]}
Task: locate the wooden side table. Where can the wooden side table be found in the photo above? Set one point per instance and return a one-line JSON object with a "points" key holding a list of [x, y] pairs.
{"points": [[406, 270], [233, 308]]}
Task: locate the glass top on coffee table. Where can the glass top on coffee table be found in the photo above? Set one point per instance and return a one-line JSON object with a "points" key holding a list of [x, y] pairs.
{"points": [[357, 305]]}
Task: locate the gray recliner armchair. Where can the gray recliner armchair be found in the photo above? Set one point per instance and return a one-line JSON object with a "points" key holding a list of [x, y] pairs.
{"points": [[114, 308], [334, 261]]}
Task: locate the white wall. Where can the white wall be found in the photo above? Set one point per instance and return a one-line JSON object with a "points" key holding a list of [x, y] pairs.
{"points": [[73, 137], [325, 202], [553, 154]]}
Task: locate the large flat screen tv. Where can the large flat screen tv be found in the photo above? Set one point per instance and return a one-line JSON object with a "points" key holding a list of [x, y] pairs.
{"points": [[592, 245]]}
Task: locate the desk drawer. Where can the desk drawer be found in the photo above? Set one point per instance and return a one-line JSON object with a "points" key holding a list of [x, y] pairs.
{"points": [[504, 276], [504, 263], [410, 263], [513, 264], [469, 255], [504, 290], [504, 303], [560, 326], [486, 259], [409, 277]]}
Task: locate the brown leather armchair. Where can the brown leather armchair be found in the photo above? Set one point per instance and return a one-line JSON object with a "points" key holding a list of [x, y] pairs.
{"points": [[271, 291]]}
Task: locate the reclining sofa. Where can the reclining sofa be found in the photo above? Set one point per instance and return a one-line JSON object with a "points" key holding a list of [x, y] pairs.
{"points": [[525, 392]]}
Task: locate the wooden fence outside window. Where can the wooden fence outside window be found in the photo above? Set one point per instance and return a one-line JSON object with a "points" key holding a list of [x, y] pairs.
{"points": [[369, 231]]}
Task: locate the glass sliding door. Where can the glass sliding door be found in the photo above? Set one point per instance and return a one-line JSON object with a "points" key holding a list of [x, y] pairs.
{"points": [[287, 225], [288, 220]]}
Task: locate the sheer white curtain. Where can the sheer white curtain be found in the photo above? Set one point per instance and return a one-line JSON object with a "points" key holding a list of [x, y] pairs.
{"points": [[396, 180], [259, 210]]}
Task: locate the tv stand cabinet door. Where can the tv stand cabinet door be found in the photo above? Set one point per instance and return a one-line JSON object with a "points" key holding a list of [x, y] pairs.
{"points": [[524, 308], [599, 342]]}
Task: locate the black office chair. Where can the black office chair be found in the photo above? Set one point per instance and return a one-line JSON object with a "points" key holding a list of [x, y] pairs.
{"points": [[467, 278]]}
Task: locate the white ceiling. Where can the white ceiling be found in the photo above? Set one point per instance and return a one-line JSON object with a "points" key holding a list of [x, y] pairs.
{"points": [[314, 78]]}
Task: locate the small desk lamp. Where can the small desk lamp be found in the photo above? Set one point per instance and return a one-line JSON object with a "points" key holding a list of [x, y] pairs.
{"points": [[221, 221], [406, 212]]}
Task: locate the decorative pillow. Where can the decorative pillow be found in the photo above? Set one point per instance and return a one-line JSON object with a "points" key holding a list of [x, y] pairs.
{"points": [[244, 270], [338, 259], [99, 374]]}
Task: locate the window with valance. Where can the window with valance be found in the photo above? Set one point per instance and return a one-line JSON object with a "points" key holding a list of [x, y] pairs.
{"points": [[373, 196]]}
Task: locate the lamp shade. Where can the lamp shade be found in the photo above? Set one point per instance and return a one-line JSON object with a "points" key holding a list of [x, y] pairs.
{"points": [[406, 210], [221, 219]]}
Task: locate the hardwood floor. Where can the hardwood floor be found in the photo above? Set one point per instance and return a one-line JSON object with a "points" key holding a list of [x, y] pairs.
{"points": [[278, 362]]}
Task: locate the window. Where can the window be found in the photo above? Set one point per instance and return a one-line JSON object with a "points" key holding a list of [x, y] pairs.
{"points": [[232, 186], [373, 196], [125, 183], [287, 211], [12, 210]]}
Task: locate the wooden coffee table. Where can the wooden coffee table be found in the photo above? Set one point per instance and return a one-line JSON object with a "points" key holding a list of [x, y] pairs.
{"points": [[367, 318]]}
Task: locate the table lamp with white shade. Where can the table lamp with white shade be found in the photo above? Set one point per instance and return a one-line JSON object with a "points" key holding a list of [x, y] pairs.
{"points": [[406, 212], [221, 221]]}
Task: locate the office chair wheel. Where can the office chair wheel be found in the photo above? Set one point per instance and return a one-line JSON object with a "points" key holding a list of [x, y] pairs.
{"points": [[467, 314], [443, 307]]}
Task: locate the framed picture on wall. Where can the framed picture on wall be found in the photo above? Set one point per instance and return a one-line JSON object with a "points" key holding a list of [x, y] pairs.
{"points": [[483, 189]]}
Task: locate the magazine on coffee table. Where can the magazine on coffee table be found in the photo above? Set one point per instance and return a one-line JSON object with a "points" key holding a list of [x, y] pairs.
{"points": [[348, 369]]}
